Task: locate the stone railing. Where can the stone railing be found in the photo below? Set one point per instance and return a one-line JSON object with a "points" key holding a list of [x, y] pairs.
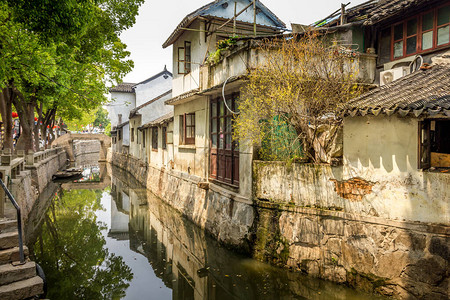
{"points": [[42, 165]]}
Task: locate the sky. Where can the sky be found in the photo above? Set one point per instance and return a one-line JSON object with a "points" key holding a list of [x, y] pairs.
{"points": [[157, 20]]}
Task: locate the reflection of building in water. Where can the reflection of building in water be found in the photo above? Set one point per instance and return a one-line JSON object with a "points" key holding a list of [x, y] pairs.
{"points": [[120, 207]]}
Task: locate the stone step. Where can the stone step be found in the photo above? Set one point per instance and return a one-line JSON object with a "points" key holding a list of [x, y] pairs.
{"points": [[11, 273], [22, 289], [12, 254], [8, 225], [9, 240]]}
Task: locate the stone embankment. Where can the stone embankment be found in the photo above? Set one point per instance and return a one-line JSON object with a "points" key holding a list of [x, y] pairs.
{"points": [[26, 176], [306, 218]]}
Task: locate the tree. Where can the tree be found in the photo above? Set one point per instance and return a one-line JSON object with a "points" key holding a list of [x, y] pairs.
{"points": [[295, 95], [101, 118], [57, 56]]}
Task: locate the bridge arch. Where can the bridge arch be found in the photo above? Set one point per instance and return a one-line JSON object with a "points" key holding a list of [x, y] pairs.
{"points": [[66, 141]]}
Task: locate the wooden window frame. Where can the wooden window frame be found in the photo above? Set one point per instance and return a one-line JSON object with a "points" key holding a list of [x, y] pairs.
{"points": [[143, 138], [164, 138], [432, 139], [155, 139], [184, 139], [419, 33], [184, 58]]}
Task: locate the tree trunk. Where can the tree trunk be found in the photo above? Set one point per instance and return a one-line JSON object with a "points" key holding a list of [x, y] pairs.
{"points": [[6, 96], [25, 110], [26, 117]]}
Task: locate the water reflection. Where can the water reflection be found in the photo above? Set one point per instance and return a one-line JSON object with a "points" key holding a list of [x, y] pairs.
{"points": [[124, 243], [71, 250]]}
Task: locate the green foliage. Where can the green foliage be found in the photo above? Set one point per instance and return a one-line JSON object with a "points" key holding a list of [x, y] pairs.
{"points": [[108, 130], [101, 118], [72, 251], [59, 55], [214, 57]]}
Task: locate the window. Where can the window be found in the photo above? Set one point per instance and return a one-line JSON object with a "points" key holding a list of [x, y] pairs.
{"points": [[434, 145], [187, 129], [155, 138], [164, 138], [427, 31], [184, 58], [143, 138], [132, 134], [224, 154]]}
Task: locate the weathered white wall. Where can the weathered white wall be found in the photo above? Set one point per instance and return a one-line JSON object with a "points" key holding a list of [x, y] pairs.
{"points": [[192, 158], [121, 103], [135, 143], [384, 150], [161, 157], [156, 109], [147, 91], [126, 135], [185, 82], [380, 160]]}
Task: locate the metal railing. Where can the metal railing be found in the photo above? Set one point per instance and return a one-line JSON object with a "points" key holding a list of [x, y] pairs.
{"points": [[19, 220]]}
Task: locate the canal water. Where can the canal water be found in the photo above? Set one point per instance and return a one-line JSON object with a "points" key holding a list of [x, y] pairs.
{"points": [[106, 237]]}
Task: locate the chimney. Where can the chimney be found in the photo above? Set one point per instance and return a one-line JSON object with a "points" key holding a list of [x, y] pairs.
{"points": [[120, 119]]}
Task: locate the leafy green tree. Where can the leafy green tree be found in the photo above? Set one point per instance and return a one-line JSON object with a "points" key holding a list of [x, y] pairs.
{"points": [[101, 118], [57, 56]]}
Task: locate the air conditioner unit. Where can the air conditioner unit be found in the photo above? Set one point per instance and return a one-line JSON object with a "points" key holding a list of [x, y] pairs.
{"points": [[388, 76]]}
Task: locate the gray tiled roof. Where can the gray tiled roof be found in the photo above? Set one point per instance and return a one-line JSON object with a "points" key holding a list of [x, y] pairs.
{"points": [[124, 87], [422, 92], [165, 118], [202, 12], [388, 8]]}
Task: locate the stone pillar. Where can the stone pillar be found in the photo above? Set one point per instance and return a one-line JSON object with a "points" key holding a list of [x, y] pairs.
{"points": [[2, 195], [6, 157]]}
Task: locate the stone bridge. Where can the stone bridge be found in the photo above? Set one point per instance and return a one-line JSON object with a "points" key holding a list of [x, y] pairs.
{"points": [[67, 139], [105, 181]]}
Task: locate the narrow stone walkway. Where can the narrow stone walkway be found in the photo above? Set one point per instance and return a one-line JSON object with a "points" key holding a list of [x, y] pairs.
{"points": [[17, 281]]}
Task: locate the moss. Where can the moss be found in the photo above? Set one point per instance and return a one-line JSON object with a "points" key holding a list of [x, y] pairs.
{"points": [[269, 244], [366, 282]]}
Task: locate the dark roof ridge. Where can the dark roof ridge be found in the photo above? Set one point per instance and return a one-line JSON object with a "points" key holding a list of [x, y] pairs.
{"points": [[136, 109], [154, 77]]}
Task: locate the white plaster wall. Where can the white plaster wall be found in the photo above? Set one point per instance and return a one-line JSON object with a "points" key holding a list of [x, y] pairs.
{"points": [[185, 82], [121, 103], [152, 89], [161, 157], [156, 109], [192, 158], [126, 135], [384, 150], [135, 146]]}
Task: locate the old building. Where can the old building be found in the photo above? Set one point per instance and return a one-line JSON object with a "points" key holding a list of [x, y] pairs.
{"points": [[202, 130], [123, 100], [150, 97]]}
